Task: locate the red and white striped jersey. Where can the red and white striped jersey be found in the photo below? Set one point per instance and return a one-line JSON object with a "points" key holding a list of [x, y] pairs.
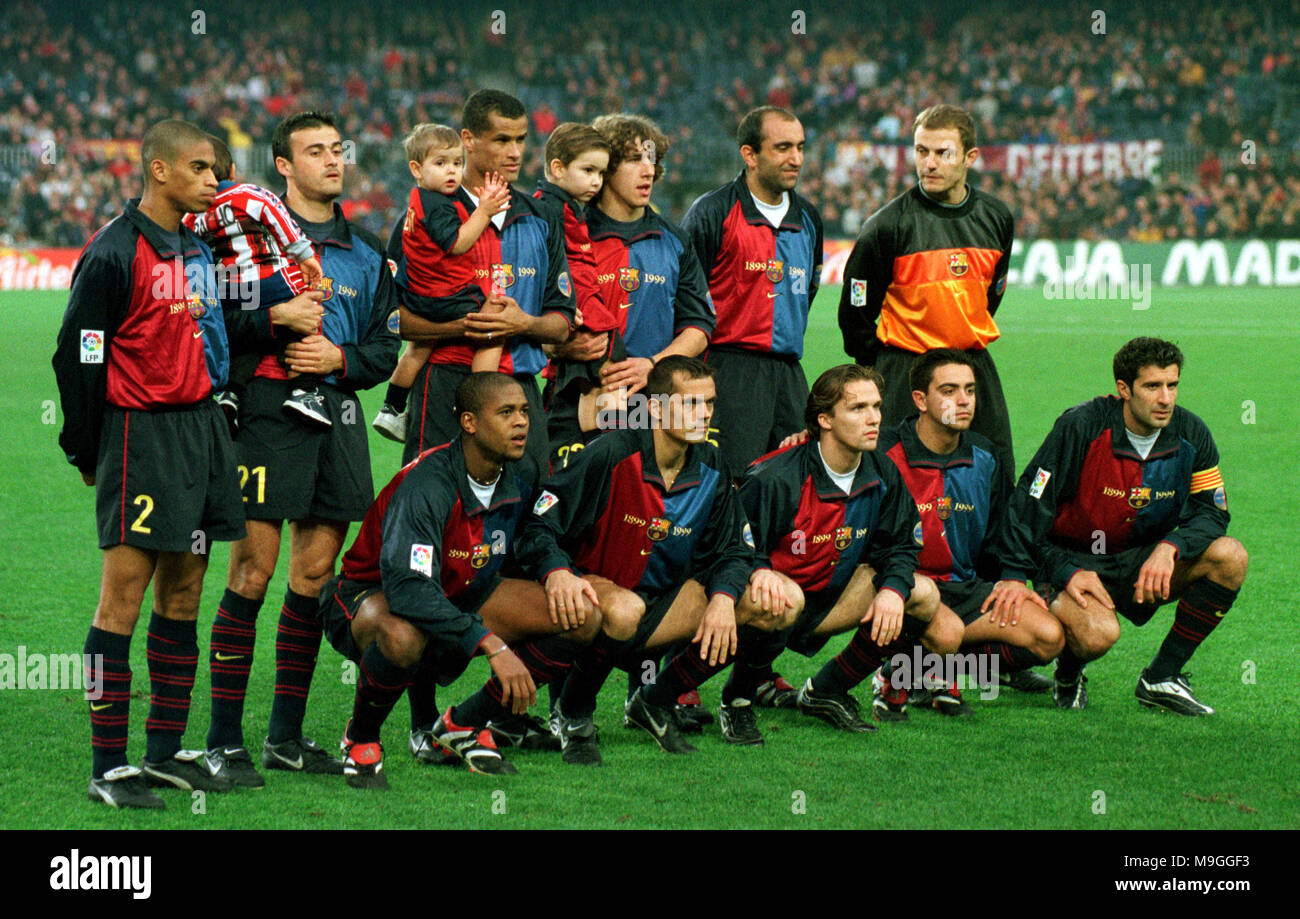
{"points": [[249, 229]]}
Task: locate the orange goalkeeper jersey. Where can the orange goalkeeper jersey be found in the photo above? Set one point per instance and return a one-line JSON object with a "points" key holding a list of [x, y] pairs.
{"points": [[923, 275]]}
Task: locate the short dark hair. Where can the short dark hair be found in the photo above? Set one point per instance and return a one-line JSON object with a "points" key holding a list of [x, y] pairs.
{"points": [[475, 390], [224, 161], [941, 117], [622, 130], [572, 139], [476, 117], [1144, 352], [750, 132], [923, 368], [299, 121], [165, 140], [662, 381], [829, 389]]}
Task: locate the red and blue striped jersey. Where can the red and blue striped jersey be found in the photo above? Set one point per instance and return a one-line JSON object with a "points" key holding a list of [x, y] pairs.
{"points": [[650, 280], [144, 329], [807, 527], [434, 547], [961, 497], [607, 513], [1087, 490], [762, 278]]}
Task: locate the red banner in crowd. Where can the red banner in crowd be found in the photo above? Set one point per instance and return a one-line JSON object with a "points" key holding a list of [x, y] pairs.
{"points": [[1111, 160], [36, 269]]}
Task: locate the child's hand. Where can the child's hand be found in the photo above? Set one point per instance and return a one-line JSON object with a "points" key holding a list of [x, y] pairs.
{"points": [[494, 196], [311, 272]]}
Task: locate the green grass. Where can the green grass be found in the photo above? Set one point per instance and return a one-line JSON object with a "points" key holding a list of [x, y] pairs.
{"points": [[1017, 763]]}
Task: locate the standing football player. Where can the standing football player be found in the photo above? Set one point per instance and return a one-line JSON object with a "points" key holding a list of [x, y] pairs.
{"points": [[928, 271], [137, 363]]}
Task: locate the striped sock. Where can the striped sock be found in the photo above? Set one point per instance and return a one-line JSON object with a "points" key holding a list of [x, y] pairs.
{"points": [[423, 695], [753, 666], [684, 672], [1200, 609], [110, 713], [547, 658], [297, 639], [859, 659], [1011, 658], [172, 650], [230, 656], [380, 683], [588, 673]]}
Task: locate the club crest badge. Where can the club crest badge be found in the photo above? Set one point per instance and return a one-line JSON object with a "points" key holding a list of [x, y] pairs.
{"points": [[775, 270], [480, 554], [1139, 496], [958, 264], [658, 528], [943, 507], [629, 279], [503, 274], [327, 288], [843, 537]]}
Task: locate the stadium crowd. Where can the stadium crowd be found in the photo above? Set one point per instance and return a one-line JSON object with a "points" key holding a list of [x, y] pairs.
{"points": [[1202, 79]]}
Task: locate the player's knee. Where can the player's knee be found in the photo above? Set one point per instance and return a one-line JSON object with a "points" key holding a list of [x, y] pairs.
{"points": [[249, 579], [622, 614], [1097, 638], [1230, 561], [400, 641], [924, 600], [794, 601], [1048, 638]]}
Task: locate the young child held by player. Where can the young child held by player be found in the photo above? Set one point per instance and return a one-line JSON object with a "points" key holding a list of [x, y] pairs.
{"points": [[446, 259]]}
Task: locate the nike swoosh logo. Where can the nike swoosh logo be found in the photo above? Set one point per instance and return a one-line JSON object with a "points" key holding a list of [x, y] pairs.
{"points": [[227, 657], [646, 551], [771, 295], [99, 708], [198, 334], [660, 729], [624, 306], [291, 763]]}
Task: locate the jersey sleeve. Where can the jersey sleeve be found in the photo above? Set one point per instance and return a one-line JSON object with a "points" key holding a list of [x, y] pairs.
{"points": [[1204, 517], [371, 360], [569, 501], [266, 209], [770, 507], [97, 303], [557, 296], [441, 219], [999, 284], [703, 227], [867, 275], [893, 551], [692, 307], [1050, 479], [818, 254], [410, 562], [582, 265], [724, 556]]}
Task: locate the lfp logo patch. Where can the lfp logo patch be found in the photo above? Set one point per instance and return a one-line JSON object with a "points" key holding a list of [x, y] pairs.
{"points": [[92, 346], [857, 293], [422, 559]]}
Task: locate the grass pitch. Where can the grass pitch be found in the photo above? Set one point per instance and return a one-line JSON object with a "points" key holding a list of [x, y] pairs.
{"points": [[1017, 763]]}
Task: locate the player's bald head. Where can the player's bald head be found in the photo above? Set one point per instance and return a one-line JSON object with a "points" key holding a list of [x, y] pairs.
{"points": [[167, 140], [480, 389]]}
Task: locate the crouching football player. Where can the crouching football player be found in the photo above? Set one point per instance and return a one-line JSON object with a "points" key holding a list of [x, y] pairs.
{"points": [[960, 489], [1121, 510]]}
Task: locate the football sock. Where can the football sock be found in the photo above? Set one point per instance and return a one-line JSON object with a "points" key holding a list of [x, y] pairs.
{"points": [[230, 656], [172, 650], [423, 695], [682, 673], [395, 398], [586, 676], [380, 683], [1068, 666], [547, 658], [753, 665], [109, 714], [297, 640], [859, 659], [1011, 658], [1201, 607]]}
